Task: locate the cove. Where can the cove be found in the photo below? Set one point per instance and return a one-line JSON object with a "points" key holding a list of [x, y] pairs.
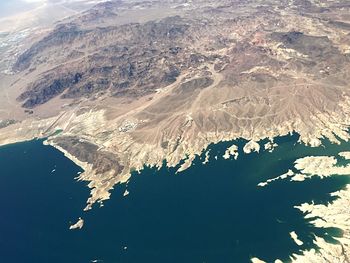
{"points": [[210, 212]]}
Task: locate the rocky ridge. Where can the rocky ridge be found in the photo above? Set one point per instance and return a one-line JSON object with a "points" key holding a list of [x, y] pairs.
{"points": [[144, 91]]}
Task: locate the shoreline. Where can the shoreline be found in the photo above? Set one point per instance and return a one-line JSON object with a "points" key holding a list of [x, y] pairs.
{"points": [[333, 212]]}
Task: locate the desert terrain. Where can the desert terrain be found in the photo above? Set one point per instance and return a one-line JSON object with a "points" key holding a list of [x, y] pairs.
{"points": [[131, 83]]}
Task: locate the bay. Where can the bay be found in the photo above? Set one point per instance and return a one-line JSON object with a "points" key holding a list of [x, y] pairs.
{"points": [[212, 212]]}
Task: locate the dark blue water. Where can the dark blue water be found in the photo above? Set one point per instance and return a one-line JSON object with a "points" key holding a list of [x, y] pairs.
{"points": [[208, 213], [38, 205]]}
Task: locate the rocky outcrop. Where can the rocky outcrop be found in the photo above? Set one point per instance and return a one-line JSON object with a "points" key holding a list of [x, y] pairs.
{"points": [[62, 34], [88, 152], [130, 60]]}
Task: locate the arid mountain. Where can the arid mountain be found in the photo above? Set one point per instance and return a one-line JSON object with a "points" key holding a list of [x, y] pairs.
{"points": [[177, 75], [135, 83]]}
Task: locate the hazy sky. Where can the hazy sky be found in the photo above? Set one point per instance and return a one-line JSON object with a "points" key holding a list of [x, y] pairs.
{"points": [[11, 7]]}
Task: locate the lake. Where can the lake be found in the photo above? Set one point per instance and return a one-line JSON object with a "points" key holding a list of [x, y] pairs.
{"points": [[212, 212]]}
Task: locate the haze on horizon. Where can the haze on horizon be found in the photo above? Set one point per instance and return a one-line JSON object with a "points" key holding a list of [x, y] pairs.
{"points": [[9, 8], [13, 7]]}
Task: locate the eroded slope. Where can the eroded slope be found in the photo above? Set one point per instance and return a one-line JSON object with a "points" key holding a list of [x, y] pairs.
{"points": [[128, 88]]}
